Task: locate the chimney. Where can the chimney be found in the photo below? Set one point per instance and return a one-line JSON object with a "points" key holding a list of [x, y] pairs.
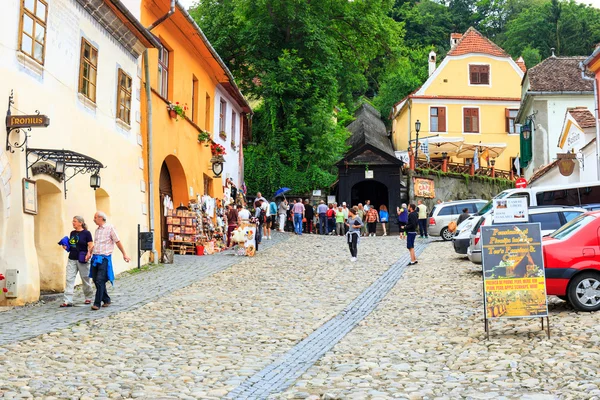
{"points": [[454, 38], [432, 62]]}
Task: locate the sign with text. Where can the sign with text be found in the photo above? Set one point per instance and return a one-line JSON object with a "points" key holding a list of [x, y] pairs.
{"points": [[513, 271], [424, 188], [511, 210], [26, 121]]}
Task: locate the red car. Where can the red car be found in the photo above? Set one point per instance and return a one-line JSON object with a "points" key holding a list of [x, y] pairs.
{"points": [[572, 260]]}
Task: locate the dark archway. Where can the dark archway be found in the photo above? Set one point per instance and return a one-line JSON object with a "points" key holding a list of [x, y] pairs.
{"points": [[372, 190], [165, 188]]}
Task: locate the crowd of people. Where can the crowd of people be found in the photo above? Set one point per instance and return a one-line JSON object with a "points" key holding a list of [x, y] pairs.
{"points": [[300, 217]]}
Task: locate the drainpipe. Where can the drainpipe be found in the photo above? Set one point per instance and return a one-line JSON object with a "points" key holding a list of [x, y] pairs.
{"points": [[149, 150], [587, 78], [149, 130], [164, 17]]}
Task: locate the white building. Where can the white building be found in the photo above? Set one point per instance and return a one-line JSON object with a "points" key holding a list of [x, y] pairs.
{"points": [[228, 123], [75, 61], [549, 90]]}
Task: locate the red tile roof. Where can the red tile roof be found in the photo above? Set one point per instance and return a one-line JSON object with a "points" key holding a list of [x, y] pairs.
{"points": [[521, 63], [542, 171], [558, 74], [583, 116], [474, 42], [456, 35]]}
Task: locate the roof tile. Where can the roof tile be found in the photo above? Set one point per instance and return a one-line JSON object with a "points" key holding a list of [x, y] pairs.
{"points": [[583, 117], [474, 42], [558, 74]]}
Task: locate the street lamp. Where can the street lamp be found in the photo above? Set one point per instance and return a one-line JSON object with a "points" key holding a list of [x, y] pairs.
{"points": [[417, 128], [444, 155], [527, 130], [95, 181], [60, 167], [493, 162]]}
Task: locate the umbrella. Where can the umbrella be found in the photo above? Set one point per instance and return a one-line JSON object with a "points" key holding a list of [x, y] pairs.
{"points": [[281, 191], [494, 149], [438, 145]]}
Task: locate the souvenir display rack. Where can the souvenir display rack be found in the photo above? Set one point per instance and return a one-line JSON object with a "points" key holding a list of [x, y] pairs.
{"points": [[182, 226]]}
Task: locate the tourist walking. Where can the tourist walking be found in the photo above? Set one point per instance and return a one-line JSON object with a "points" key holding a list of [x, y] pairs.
{"points": [[330, 220], [411, 232], [322, 213], [383, 218], [372, 218], [309, 214], [80, 252], [339, 222], [298, 211], [402, 219], [354, 223], [101, 271], [361, 213], [282, 213], [463, 217], [233, 220], [345, 210], [422, 209]]}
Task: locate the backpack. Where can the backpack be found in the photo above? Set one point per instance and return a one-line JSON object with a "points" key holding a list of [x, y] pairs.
{"points": [[452, 226]]}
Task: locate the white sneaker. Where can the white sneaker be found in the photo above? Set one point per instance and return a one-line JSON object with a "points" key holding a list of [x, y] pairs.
{"points": [[353, 259], [385, 234], [269, 237]]}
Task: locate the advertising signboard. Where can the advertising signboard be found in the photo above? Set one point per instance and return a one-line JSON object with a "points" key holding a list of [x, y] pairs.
{"points": [[511, 210], [424, 188], [513, 271]]}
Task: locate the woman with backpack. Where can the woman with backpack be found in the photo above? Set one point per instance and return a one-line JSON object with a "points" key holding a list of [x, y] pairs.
{"points": [[402, 219], [260, 216], [330, 220]]}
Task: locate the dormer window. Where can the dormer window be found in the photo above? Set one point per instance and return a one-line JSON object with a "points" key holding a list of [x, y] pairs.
{"points": [[479, 74]]}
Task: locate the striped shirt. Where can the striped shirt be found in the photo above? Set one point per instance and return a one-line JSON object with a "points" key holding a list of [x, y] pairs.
{"points": [[105, 239]]}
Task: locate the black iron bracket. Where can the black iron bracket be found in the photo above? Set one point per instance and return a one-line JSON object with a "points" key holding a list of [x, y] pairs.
{"points": [[75, 163], [16, 145]]}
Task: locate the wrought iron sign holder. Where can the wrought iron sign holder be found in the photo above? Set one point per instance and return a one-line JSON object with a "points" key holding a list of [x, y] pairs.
{"points": [[65, 160]]}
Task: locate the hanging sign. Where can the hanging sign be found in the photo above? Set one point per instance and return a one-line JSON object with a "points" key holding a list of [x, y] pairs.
{"points": [[566, 163], [513, 271], [27, 121]]}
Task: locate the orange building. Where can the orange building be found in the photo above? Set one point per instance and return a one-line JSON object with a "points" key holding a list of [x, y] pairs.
{"points": [[188, 71]]}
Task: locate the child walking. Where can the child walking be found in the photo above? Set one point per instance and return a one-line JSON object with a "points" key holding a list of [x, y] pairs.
{"points": [[354, 224]]}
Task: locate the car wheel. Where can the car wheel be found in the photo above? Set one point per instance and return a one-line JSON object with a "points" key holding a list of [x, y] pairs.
{"points": [[584, 291], [446, 234]]}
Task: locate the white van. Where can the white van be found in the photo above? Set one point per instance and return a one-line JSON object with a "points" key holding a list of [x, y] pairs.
{"points": [[575, 194]]}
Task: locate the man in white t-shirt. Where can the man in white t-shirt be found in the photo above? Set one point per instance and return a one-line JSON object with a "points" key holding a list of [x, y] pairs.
{"points": [[267, 224], [243, 213]]}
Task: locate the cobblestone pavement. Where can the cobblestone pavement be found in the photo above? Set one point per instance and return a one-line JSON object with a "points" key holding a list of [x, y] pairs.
{"points": [[201, 341], [131, 290], [426, 341]]}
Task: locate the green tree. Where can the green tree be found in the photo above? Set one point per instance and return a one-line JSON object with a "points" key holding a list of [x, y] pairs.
{"points": [[532, 57]]}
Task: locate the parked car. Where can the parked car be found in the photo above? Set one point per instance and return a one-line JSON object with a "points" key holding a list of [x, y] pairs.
{"points": [[591, 207], [550, 218], [572, 261], [462, 236], [442, 214]]}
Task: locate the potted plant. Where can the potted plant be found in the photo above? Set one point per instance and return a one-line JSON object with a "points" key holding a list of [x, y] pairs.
{"points": [[223, 135], [233, 144], [217, 151], [177, 110], [204, 137]]}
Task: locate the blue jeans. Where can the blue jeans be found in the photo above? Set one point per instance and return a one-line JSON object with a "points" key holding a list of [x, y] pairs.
{"points": [[322, 224], [423, 227], [298, 223], [100, 277]]}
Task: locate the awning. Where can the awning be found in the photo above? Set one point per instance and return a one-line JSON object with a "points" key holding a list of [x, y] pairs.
{"points": [[494, 149], [439, 145]]}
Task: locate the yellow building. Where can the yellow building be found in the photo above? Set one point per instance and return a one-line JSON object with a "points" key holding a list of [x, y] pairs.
{"points": [[471, 99], [188, 71]]}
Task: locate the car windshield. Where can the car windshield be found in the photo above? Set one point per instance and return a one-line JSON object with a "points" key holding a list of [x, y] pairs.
{"points": [[490, 204], [567, 230]]}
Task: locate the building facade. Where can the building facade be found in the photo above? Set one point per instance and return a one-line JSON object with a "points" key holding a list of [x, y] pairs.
{"points": [[75, 61], [549, 91], [187, 71], [473, 95]]}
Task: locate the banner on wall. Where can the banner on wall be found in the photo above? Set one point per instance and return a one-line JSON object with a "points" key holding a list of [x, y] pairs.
{"points": [[424, 188]]}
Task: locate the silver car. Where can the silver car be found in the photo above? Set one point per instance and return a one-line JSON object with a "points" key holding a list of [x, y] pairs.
{"points": [[550, 218], [442, 214]]}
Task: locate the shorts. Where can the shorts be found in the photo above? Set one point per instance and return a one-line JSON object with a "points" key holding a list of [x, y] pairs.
{"points": [[410, 240], [270, 220], [402, 227]]}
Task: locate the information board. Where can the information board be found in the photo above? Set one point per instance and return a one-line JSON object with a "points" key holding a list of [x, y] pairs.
{"points": [[511, 210], [513, 271]]}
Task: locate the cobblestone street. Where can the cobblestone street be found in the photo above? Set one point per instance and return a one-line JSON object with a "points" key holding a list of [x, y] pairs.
{"points": [[299, 321]]}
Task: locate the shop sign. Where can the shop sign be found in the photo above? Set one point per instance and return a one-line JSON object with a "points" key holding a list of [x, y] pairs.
{"points": [[27, 121], [566, 163], [513, 271], [29, 197], [511, 210], [369, 174], [424, 188]]}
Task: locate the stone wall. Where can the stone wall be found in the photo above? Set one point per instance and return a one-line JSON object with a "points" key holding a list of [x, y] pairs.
{"points": [[457, 187]]}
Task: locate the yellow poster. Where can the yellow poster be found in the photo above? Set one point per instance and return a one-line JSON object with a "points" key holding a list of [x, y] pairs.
{"points": [[513, 271]]}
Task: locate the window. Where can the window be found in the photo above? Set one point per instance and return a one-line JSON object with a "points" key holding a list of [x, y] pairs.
{"points": [[163, 72], [207, 113], [32, 29], [471, 120], [479, 74], [510, 115], [437, 119], [569, 215], [124, 97], [549, 221], [233, 125], [561, 197], [590, 195], [222, 115], [88, 70], [194, 99], [448, 210]]}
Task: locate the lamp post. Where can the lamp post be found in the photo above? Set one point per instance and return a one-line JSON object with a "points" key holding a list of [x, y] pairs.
{"points": [[417, 128], [493, 163], [444, 161]]}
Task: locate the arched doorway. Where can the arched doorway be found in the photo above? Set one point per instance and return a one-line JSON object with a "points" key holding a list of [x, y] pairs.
{"points": [[49, 226], [103, 201], [172, 183], [165, 188], [372, 190]]}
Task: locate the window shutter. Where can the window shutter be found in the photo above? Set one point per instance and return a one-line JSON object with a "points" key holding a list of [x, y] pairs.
{"points": [[441, 119], [475, 120], [506, 120], [467, 119]]}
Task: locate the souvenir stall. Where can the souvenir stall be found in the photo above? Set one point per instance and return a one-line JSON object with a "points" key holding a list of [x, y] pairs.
{"points": [[244, 239]]}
